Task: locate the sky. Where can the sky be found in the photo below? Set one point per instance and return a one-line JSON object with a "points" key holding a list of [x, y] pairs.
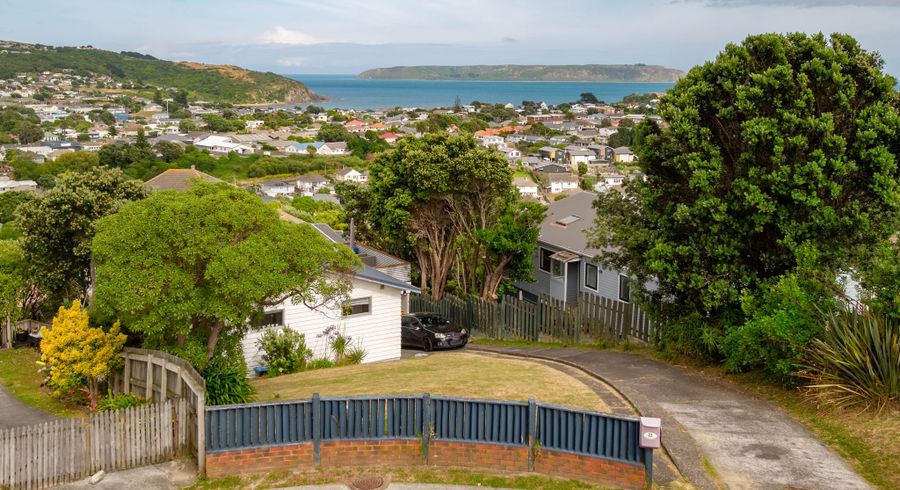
{"points": [[349, 36]]}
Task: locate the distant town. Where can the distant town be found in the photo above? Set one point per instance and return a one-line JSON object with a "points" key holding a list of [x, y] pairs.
{"points": [[554, 150]]}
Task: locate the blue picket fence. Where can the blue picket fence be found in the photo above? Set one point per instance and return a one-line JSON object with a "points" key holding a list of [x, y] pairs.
{"points": [[518, 424]]}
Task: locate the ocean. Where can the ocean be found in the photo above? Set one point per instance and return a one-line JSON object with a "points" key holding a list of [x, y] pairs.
{"points": [[349, 92]]}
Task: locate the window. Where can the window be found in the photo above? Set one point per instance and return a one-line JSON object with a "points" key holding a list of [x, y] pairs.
{"points": [[545, 259], [559, 268], [269, 318], [357, 306], [624, 288], [590, 276]]}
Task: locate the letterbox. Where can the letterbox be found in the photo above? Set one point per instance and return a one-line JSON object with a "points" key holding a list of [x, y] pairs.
{"points": [[651, 432]]}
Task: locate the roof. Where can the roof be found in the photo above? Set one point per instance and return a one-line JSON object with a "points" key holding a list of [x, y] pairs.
{"points": [[312, 178], [178, 179], [561, 177], [523, 182], [566, 221]]}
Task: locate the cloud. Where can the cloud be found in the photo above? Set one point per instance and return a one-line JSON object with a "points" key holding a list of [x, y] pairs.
{"points": [[283, 35], [509, 40]]}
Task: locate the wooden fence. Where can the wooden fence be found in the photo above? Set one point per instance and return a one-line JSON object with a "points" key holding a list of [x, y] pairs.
{"points": [[549, 320], [64, 450], [426, 419], [158, 376]]}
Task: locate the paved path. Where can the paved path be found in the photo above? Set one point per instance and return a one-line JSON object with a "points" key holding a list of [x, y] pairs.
{"points": [[750, 442], [14, 413]]}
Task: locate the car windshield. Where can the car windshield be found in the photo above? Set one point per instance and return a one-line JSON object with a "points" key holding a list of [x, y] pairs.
{"points": [[437, 320]]}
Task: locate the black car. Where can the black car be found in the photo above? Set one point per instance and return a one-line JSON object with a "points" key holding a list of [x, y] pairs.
{"points": [[431, 331]]}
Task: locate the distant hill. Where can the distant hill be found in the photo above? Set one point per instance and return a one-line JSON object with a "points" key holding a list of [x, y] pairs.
{"points": [[214, 83], [519, 73]]}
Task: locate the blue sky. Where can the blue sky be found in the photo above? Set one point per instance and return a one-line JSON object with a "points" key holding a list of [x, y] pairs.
{"points": [[348, 36]]}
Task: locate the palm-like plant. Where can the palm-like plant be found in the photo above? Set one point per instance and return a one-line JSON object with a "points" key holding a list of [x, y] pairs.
{"points": [[857, 361]]}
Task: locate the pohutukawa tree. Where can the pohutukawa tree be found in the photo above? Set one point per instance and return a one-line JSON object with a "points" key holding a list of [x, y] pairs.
{"points": [[454, 202], [187, 270], [779, 154]]}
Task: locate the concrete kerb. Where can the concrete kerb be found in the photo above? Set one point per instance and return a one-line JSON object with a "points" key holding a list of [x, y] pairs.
{"points": [[684, 464]]}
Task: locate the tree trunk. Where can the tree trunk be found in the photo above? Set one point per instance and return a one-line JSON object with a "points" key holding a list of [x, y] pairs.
{"points": [[492, 277], [214, 332]]}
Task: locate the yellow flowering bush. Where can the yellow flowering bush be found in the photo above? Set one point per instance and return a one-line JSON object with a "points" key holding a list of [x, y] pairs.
{"points": [[79, 356]]}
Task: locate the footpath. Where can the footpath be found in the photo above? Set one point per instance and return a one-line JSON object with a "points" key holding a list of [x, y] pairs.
{"points": [[706, 422]]}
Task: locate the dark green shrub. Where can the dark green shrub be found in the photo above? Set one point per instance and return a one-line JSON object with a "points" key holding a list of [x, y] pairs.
{"points": [[285, 351], [119, 401], [226, 384], [857, 361], [319, 364]]}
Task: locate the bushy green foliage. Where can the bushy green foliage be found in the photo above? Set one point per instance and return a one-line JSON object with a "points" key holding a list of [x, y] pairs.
{"points": [[783, 149], [187, 269], [57, 228], [782, 320], [119, 401], [285, 351], [857, 361], [226, 384]]}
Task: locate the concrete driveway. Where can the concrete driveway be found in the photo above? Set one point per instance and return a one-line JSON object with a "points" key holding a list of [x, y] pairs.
{"points": [[14, 413], [750, 442]]}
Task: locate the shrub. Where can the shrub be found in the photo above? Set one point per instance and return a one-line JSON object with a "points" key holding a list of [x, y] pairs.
{"points": [[857, 361], [319, 364], [119, 401], [285, 351], [80, 357], [345, 353], [227, 384]]}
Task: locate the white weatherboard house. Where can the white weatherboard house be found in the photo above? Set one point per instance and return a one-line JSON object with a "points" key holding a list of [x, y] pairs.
{"points": [[371, 318]]}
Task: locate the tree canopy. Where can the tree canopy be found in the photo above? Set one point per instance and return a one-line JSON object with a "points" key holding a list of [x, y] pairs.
{"points": [[451, 201], [186, 270], [57, 228], [778, 156]]}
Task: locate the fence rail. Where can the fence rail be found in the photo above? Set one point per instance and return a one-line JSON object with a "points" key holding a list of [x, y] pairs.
{"points": [[159, 376], [549, 320], [64, 450], [509, 423]]}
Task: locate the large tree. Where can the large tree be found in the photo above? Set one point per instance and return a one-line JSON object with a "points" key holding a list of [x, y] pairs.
{"points": [[58, 226], [187, 270], [780, 153], [445, 196]]}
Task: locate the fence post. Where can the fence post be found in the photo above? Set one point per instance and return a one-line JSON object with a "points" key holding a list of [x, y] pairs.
{"points": [[648, 466], [317, 427], [532, 432], [427, 423], [201, 433]]}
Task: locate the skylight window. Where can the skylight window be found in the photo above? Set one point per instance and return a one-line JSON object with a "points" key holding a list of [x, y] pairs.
{"points": [[568, 220]]}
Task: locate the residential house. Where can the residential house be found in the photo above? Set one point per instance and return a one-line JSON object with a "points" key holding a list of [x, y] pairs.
{"points": [[557, 183], [222, 144], [552, 168], [563, 259], [277, 187], [370, 316], [389, 137], [623, 154], [526, 186], [351, 174], [311, 183], [7, 185], [179, 179], [580, 155], [333, 148], [549, 152]]}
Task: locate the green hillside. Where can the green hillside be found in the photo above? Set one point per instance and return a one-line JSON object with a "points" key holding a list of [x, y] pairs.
{"points": [[215, 83], [541, 73]]}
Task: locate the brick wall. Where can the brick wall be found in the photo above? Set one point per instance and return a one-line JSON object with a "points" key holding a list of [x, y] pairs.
{"points": [[259, 460], [473, 455], [487, 457], [370, 453], [589, 469]]}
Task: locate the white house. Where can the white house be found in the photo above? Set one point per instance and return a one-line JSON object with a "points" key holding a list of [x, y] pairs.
{"points": [[526, 186], [351, 174], [623, 154], [254, 123], [333, 148], [311, 183], [222, 144], [303, 148], [561, 183], [370, 317], [7, 185], [275, 188]]}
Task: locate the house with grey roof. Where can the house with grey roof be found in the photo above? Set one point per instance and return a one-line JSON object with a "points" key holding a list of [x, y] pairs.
{"points": [[563, 259]]}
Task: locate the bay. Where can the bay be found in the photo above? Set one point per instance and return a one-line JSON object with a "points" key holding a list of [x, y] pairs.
{"points": [[349, 92]]}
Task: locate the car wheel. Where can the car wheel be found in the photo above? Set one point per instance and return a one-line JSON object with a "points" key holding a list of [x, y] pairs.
{"points": [[428, 345]]}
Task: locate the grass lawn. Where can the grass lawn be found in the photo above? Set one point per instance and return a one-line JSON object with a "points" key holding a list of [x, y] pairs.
{"points": [[445, 476], [447, 373], [19, 374]]}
